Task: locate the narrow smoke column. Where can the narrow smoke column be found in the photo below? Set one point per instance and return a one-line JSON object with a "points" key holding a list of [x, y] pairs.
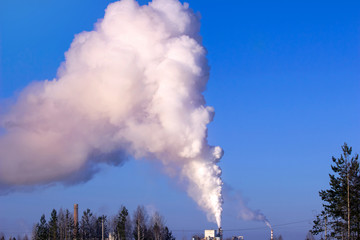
{"points": [[76, 208], [272, 235]]}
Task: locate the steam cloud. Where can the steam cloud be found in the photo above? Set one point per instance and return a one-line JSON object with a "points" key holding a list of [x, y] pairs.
{"points": [[131, 87]]}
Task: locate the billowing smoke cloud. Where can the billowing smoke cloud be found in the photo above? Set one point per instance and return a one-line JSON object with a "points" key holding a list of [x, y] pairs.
{"points": [[132, 87]]}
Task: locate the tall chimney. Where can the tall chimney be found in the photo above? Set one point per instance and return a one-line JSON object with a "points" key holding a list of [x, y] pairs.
{"points": [[220, 233], [272, 235], [76, 208]]}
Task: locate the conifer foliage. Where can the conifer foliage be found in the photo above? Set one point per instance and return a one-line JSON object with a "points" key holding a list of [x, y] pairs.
{"points": [[91, 227], [340, 217]]}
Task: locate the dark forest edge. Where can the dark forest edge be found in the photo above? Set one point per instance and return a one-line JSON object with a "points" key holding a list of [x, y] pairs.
{"points": [[61, 226]]}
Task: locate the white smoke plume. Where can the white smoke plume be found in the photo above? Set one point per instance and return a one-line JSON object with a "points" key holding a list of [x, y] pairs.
{"points": [[131, 87], [234, 198]]}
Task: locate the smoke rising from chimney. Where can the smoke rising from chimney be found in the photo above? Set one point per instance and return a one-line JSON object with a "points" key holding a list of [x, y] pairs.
{"points": [[131, 87], [235, 200], [248, 214]]}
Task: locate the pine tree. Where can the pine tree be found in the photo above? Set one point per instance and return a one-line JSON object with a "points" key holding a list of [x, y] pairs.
{"points": [[42, 229], [53, 226], [87, 225], [121, 223], [341, 201], [69, 229], [98, 227], [168, 234]]}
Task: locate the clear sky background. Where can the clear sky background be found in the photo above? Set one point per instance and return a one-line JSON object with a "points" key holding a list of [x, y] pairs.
{"points": [[285, 81]]}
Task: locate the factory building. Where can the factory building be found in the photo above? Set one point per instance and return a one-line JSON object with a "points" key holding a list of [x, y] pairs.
{"points": [[213, 234]]}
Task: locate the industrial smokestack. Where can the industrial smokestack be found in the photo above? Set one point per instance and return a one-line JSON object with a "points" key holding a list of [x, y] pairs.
{"points": [[220, 233], [76, 209], [272, 235]]}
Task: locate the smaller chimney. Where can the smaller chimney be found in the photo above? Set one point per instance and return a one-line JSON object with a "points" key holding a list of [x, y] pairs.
{"points": [[272, 235], [76, 208]]}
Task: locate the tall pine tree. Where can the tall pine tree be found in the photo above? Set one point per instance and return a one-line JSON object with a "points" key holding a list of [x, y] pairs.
{"points": [[87, 225], [42, 229], [341, 200], [53, 226], [121, 223]]}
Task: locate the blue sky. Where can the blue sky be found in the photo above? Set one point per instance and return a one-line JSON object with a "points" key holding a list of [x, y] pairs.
{"points": [[285, 86]]}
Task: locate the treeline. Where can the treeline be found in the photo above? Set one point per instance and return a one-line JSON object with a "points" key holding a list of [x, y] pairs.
{"points": [[25, 237], [340, 217], [139, 226]]}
